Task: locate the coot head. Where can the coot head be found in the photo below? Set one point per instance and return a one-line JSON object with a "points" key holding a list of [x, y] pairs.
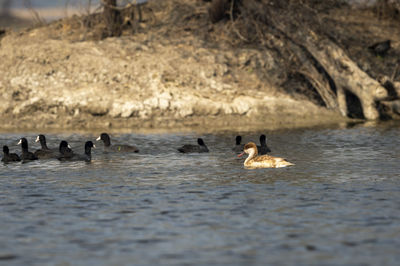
{"points": [[105, 138], [238, 140], [263, 138], [24, 143], [41, 138], [64, 146], [5, 149], [88, 146], [200, 142]]}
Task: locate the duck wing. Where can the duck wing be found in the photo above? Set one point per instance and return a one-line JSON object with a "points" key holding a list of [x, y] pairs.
{"points": [[44, 154], [12, 157]]}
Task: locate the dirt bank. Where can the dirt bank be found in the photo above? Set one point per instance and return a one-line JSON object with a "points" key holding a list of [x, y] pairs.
{"points": [[161, 76]]}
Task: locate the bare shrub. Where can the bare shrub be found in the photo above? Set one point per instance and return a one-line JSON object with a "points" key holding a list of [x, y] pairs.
{"points": [[387, 9], [218, 10]]}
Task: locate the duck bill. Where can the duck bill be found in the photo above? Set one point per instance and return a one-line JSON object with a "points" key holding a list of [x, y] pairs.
{"points": [[240, 155]]}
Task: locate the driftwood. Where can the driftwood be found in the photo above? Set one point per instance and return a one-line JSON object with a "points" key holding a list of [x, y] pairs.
{"points": [[347, 77], [315, 75]]}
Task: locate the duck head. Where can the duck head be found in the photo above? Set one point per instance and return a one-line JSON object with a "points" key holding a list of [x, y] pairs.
{"points": [[200, 142], [24, 143], [250, 148], [40, 138], [88, 146], [64, 146], [5, 149]]}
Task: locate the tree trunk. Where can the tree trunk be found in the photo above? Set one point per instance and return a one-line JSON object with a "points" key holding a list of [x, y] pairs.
{"points": [[314, 75], [345, 74], [112, 18]]}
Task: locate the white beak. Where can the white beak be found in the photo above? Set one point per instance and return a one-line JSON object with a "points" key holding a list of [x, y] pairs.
{"points": [[94, 146], [69, 146], [37, 139], [99, 138], [19, 142]]}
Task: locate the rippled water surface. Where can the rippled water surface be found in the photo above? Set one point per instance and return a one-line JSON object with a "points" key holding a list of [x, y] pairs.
{"points": [[340, 203]]}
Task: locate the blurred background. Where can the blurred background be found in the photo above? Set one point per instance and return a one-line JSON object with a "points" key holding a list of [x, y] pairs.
{"points": [[22, 13]]}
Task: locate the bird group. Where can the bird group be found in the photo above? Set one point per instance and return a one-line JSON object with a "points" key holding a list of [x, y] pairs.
{"points": [[259, 161], [65, 153]]}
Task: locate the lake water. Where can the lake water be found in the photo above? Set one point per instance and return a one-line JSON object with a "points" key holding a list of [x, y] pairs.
{"points": [[339, 205]]}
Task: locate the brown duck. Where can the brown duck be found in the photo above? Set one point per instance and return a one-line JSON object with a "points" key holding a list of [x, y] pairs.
{"points": [[263, 161]]}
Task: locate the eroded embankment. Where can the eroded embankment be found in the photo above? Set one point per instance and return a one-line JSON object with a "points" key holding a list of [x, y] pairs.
{"points": [[127, 81]]}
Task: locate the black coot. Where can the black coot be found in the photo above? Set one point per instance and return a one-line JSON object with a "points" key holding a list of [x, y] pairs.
{"points": [[189, 148], [263, 149], [44, 152], [26, 155], [68, 155], [238, 146], [116, 147], [9, 157], [64, 151]]}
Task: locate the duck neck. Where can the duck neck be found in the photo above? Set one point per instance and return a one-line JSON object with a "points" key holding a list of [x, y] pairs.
{"points": [[24, 147], [107, 142], [252, 154], [204, 147], [44, 145]]}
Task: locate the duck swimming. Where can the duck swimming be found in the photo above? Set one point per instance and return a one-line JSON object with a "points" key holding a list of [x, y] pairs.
{"points": [[9, 157], [65, 151], [44, 152], [263, 161], [238, 146], [189, 148], [87, 156], [26, 155], [117, 147]]}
